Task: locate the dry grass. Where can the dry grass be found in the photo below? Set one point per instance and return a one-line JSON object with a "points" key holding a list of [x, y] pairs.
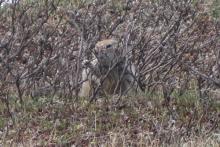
{"points": [[134, 121]]}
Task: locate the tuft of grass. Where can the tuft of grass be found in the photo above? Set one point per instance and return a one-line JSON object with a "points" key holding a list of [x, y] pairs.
{"points": [[216, 9]]}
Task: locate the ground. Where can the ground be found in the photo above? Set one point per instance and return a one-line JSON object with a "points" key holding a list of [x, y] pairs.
{"points": [[132, 121]]}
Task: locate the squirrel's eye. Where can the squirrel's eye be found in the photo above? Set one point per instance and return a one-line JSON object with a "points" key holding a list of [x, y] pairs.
{"points": [[108, 46]]}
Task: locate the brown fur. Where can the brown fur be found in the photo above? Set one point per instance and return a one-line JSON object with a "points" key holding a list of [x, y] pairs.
{"points": [[106, 57]]}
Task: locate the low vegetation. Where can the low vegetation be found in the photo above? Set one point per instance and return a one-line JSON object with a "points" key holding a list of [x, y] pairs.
{"points": [[134, 121]]}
